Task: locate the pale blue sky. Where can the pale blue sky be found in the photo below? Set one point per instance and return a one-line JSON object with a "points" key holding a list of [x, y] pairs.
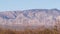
{"points": [[6, 5]]}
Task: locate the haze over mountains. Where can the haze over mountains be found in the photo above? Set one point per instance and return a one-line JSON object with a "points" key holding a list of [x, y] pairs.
{"points": [[33, 17]]}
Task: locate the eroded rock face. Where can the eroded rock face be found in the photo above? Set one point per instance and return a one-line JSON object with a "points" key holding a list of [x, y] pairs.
{"points": [[34, 17]]}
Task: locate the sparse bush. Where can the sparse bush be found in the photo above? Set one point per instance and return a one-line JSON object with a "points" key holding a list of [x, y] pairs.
{"points": [[29, 31]]}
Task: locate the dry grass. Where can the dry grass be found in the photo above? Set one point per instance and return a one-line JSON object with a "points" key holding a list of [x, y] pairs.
{"points": [[28, 31]]}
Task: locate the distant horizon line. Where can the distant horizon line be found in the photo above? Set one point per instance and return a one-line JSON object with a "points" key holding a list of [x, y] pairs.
{"points": [[28, 9]]}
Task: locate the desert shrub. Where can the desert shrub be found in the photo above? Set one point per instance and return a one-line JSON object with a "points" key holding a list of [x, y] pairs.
{"points": [[9, 32], [29, 31]]}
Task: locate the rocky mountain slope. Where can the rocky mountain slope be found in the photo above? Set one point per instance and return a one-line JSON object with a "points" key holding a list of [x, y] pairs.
{"points": [[33, 17]]}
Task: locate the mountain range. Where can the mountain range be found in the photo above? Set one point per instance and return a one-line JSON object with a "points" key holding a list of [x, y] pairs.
{"points": [[32, 17]]}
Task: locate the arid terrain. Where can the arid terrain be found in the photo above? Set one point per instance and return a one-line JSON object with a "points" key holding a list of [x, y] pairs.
{"points": [[32, 21], [30, 31]]}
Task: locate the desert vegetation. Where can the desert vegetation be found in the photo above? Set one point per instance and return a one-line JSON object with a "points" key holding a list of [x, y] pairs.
{"points": [[30, 31]]}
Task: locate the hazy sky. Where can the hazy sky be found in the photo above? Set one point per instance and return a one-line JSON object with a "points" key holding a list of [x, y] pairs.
{"points": [[28, 4]]}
